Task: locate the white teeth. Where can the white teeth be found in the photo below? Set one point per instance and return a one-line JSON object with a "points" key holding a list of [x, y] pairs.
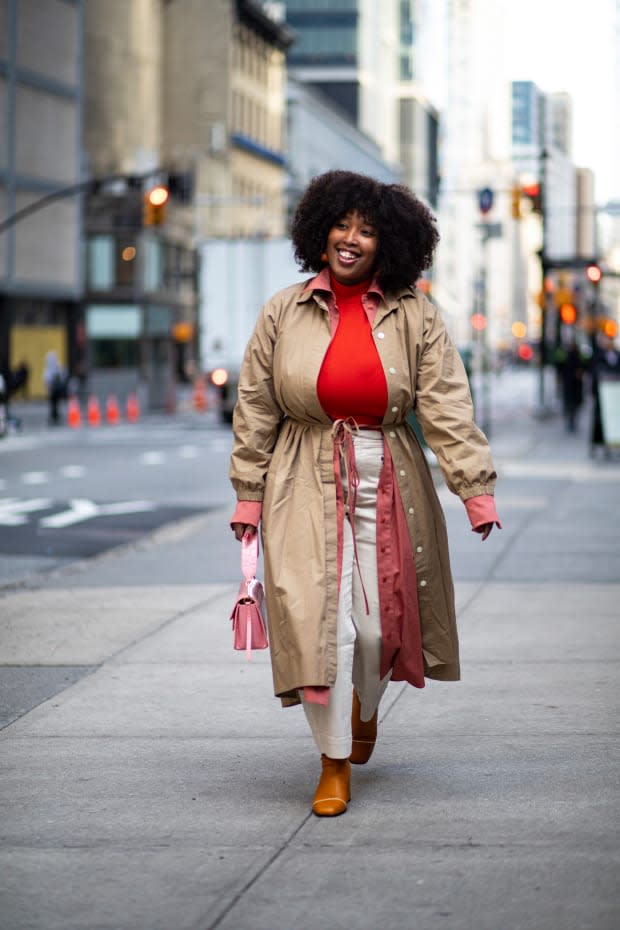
{"points": [[347, 255]]}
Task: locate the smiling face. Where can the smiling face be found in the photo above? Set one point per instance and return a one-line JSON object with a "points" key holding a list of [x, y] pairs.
{"points": [[351, 251]]}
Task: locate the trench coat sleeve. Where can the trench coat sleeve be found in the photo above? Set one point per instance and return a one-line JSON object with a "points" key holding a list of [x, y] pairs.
{"points": [[257, 415], [444, 409]]}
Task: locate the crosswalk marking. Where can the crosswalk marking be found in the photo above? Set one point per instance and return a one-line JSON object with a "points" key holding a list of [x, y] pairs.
{"points": [[153, 458], [35, 477], [73, 471]]}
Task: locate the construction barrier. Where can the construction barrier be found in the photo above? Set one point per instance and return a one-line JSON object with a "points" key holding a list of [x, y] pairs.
{"points": [[132, 409], [93, 412], [199, 396], [74, 414], [112, 413]]}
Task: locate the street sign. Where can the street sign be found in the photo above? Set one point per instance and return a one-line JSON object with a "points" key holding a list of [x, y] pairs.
{"points": [[485, 199], [490, 230]]}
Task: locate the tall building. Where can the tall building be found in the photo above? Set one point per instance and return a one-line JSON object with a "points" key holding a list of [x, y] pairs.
{"points": [[541, 136], [40, 153], [361, 55], [320, 139], [474, 148], [190, 96]]}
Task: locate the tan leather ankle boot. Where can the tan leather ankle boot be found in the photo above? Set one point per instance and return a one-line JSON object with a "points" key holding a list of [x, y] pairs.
{"points": [[364, 733], [334, 789]]}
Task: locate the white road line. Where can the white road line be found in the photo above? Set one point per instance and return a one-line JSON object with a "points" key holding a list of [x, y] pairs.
{"points": [[81, 510], [13, 511], [35, 477], [73, 471], [152, 458], [188, 452]]}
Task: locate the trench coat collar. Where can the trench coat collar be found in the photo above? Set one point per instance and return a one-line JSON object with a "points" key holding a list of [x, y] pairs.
{"points": [[322, 283]]}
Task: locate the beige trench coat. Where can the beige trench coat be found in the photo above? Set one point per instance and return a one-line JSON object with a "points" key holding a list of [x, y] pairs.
{"points": [[283, 456]]}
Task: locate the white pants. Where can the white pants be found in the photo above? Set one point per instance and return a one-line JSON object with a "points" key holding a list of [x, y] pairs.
{"points": [[359, 634]]}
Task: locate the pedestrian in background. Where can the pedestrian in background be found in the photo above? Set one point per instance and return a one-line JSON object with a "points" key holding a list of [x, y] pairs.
{"points": [[357, 576], [572, 370], [605, 366], [55, 379]]}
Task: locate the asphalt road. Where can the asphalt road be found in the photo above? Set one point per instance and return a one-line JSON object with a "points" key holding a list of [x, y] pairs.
{"points": [[68, 495]]}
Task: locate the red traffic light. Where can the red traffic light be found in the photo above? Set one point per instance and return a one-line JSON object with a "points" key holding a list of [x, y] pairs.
{"points": [[594, 274], [568, 314], [531, 189]]}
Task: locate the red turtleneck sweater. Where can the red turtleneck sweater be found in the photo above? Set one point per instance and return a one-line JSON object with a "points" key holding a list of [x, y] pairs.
{"points": [[351, 382]]}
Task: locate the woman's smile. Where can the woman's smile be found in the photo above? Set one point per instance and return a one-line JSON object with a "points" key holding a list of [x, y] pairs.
{"points": [[352, 249]]}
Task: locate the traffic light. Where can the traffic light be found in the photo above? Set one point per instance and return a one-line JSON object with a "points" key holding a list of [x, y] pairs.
{"points": [[594, 274], [568, 314], [533, 191], [155, 202]]}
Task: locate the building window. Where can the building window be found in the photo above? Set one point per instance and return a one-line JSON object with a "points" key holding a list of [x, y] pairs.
{"points": [[100, 263]]}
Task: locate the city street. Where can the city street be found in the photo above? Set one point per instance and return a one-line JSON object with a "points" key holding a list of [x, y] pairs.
{"points": [[149, 779], [67, 494]]}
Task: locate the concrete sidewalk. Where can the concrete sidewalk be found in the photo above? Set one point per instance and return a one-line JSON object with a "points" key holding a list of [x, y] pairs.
{"points": [[166, 788]]}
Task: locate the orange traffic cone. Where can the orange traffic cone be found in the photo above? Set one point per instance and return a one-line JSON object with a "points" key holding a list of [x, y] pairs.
{"points": [[93, 413], [112, 413], [199, 397], [132, 411], [74, 414]]}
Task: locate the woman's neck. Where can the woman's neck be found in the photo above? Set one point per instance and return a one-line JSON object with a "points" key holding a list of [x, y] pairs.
{"points": [[349, 290]]}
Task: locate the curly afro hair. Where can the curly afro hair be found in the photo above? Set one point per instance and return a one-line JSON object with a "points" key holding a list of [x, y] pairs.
{"points": [[407, 234]]}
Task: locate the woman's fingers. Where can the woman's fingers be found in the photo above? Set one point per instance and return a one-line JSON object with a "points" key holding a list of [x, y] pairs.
{"points": [[241, 529]]}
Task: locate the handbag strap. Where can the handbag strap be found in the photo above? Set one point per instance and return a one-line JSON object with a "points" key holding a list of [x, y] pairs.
{"points": [[249, 556]]}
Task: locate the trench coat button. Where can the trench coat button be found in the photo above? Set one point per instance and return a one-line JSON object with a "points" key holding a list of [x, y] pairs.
{"points": [[392, 371], [380, 335], [419, 549], [402, 473], [411, 510], [392, 434], [394, 409], [423, 583]]}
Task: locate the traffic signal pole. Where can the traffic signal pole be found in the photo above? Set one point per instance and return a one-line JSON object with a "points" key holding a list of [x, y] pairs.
{"points": [[543, 410], [91, 185]]}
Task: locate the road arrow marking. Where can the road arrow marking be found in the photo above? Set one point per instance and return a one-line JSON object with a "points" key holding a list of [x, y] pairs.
{"points": [[12, 511], [81, 510]]}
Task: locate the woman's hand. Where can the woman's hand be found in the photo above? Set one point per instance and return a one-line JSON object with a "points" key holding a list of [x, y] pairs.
{"points": [[240, 529], [484, 529]]}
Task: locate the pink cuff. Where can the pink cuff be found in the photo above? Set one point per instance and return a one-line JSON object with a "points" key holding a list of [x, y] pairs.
{"points": [[247, 512], [319, 695], [481, 510]]}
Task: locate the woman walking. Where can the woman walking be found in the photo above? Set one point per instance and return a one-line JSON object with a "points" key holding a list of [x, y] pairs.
{"points": [[357, 576]]}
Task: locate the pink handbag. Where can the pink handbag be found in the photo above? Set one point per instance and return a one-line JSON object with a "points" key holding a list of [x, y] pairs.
{"points": [[249, 630]]}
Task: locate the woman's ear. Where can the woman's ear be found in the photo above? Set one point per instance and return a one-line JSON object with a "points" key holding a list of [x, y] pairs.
{"points": [[324, 257]]}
